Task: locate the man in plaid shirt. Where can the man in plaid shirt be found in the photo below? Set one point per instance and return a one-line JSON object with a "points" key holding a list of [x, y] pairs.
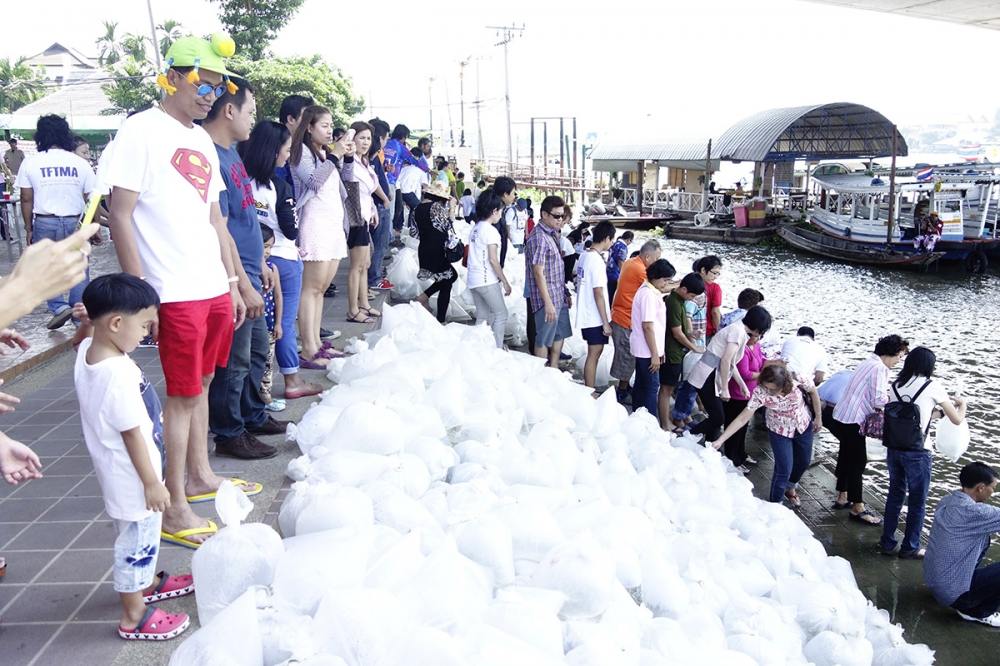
{"points": [[545, 282]]}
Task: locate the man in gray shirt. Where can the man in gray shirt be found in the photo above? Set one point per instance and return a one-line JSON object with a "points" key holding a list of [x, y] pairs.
{"points": [[12, 158], [960, 537]]}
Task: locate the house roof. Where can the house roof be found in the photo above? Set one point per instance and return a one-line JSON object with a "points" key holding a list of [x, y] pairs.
{"points": [[55, 55], [81, 103]]}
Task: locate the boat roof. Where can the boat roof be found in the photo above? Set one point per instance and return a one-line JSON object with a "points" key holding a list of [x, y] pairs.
{"points": [[862, 183]]}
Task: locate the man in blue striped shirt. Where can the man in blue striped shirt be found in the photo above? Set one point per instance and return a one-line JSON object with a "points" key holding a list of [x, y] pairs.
{"points": [[960, 537]]}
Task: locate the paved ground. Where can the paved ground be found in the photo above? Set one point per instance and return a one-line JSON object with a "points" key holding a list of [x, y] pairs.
{"points": [[56, 602]]}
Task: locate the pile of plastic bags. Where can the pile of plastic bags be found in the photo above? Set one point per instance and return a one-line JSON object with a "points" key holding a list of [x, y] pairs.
{"points": [[457, 504]]}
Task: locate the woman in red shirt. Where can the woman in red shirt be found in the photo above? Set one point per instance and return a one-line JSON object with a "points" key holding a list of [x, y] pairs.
{"points": [[710, 268]]}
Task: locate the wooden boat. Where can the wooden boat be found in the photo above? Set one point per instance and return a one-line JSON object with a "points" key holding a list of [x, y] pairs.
{"points": [[853, 252], [637, 222], [716, 232]]}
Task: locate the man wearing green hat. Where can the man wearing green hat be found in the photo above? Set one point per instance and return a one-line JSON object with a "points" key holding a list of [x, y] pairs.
{"points": [[169, 230]]}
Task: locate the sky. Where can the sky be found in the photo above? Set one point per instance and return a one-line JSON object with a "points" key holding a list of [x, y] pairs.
{"points": [[646, 70]]}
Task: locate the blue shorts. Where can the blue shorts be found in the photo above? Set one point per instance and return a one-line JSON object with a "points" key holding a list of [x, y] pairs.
{"points": [[547, 332], [136, 551], [594, 335]]}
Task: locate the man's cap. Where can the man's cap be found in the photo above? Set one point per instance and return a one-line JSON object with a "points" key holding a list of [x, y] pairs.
{"points": [[194, 51]]}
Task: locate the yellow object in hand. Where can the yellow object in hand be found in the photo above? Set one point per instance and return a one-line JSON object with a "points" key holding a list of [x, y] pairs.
{"points": [[88, 217]]}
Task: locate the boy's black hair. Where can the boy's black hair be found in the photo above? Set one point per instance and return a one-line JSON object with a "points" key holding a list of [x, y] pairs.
{"points": [[467, 193], [757, 319], [693, 283], [460, 176], [975, 473], [400, 132], [749, 298], [423, 142], [505, 185], [603, 231], [627, 236], [121, 293], [806, 331], [292, 106], [238, 99], [266, 232]]}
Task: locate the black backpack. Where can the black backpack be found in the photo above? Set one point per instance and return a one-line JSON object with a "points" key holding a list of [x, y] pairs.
{"points": [[901, 430]]}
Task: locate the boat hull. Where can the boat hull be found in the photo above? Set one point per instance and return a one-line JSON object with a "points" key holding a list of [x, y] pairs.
{"points": [[853, 252], [685, 230]]}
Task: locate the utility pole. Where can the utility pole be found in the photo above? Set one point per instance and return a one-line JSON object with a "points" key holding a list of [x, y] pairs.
{"points": [[447, 106], [430, 104], [461, 101], [506, 34], [152, 34], [479, 124]]}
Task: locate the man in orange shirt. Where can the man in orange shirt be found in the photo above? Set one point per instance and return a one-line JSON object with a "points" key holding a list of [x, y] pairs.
{"points": [[632, 276]]}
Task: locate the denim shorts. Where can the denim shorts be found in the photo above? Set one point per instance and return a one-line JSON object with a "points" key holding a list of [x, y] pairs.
{"points": [[136, 551], [547, 332]]}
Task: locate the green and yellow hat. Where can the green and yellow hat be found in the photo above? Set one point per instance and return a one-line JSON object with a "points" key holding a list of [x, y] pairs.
{"points": [[200, 54]]}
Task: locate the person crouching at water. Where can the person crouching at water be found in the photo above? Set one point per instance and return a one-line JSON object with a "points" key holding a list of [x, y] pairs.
{"points": [[910, 469], [790, 426], [963, 524], [867, 392]]}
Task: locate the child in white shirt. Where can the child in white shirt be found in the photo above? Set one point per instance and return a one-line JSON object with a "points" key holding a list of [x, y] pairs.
{"points": [[122, 426]]}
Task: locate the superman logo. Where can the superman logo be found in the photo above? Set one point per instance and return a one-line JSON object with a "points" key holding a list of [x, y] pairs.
{"points": [[194, 168]]}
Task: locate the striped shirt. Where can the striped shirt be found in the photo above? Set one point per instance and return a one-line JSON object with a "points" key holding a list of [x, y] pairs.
{"points": [[960, 536], [867, 391]]}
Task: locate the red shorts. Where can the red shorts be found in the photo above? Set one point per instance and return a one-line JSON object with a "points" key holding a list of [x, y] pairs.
{"points": [[194, 338]]}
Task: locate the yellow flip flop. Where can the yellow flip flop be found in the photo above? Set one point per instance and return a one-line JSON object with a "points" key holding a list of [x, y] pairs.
{"points": [[253, 488], [180, 538]]}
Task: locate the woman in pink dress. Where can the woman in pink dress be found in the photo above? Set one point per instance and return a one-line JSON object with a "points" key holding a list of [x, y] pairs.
{"points": [[320, 162]]}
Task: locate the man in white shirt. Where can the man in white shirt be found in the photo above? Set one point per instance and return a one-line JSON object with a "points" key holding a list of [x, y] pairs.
{"points": [[806, 357], [410, 185], [169, 229], [54, 183]]}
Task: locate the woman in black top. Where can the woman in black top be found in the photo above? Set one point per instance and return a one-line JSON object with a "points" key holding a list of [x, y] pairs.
{"points": [[437, 236]]}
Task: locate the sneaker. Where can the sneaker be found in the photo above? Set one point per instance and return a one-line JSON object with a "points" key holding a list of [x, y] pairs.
{"points": [[384, 284], [328, 335], [148, 342], [269, 427], [244, 447], [331, 291], [563, 356], [275, 405], [991, 620], [60, 318]]}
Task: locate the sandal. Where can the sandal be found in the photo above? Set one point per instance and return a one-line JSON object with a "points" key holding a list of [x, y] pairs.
{"points": [[840, 505], [329, 353], [372, 312], [353, 318], [866, 517], [170, 587], [156, 625], [793, 498], [306, 392], [309, 364]]}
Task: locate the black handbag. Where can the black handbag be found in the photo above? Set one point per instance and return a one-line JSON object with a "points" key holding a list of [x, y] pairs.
{"points": [[456, 253]]}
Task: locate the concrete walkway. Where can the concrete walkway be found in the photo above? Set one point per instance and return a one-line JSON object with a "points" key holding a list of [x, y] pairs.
{"points": [[56, 601]]}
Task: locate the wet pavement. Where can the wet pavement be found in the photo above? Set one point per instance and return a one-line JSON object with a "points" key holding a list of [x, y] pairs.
{"points": [[57, 603]]}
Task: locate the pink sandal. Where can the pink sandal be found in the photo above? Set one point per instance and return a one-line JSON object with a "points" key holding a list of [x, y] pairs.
{"points": [[157, 625], [170, 587]]}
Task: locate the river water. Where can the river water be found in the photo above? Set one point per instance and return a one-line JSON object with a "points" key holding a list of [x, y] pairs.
{"points": [[850, 307]]}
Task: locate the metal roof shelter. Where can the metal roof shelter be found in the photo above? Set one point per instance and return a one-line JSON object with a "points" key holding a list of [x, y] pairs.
{"points": [[673, 155], [977, 13], [820, 132]]}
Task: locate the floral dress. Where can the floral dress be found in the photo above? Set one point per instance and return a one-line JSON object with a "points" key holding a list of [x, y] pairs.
{"points": [[437, 234]]}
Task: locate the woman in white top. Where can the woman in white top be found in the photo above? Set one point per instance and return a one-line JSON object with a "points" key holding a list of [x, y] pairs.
{"points": [[359, 235], [265, 150], [485, 275], [320, 163], [593, 313], [910, 470]]}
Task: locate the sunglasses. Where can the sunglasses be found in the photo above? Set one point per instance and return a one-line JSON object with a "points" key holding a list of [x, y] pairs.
{"points": [[561, 216], [205, 88]]}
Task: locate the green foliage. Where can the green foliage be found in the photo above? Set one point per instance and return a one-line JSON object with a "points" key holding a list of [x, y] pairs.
{"points": [[275, 78], [170, 31], [254, 24], [19, 85], [110, 49], [133, 88]]}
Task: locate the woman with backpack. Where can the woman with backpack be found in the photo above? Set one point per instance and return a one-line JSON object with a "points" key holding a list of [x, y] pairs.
{"points": [[790, 426], [913, 399]]}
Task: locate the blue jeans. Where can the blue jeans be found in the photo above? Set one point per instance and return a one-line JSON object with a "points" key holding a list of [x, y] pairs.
{"points": [[683, 401], [792, 456], [909, 475], [380, 243], [646, 387], [983, 597], [286, 352], [234, 400], [56, 229], [412, 201]]}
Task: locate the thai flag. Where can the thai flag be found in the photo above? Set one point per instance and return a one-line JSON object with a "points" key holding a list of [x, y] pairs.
{"points": [[925, 174]]}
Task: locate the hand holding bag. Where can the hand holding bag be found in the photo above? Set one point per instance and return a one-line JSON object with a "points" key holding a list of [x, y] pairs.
{"points": [[874, 422]]}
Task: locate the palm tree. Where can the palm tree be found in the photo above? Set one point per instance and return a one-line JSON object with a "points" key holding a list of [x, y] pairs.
{"points": [[134, 46], [171, 31], [110, 49], [19, 85]]}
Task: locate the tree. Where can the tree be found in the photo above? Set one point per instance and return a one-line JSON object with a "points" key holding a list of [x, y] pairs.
{"points": [[110, 49], [254, 24], [134, 47], [133, 88], [170, 31], [19, 85], [275, 78]]}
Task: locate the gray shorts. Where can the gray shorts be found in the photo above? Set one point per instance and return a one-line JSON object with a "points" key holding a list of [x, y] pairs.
{"points": [[547, 332], [135, 553], [623, 364]]}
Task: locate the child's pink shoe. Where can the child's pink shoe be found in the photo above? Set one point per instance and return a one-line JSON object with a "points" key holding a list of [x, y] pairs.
{"points": [[157, 625], [170, 587]]}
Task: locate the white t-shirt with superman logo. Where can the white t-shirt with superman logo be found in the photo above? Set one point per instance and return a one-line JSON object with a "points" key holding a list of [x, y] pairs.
{"points": [[175, 170]]}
